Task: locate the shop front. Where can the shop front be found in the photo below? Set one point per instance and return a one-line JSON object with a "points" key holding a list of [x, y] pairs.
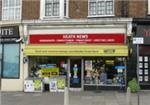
{"points": [[10, 58], [91, 60], [143, 31]]}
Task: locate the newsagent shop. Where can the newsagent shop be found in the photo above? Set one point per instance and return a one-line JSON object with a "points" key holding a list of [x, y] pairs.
{"points": [[142, 30], [92, 57], [10, 58]]}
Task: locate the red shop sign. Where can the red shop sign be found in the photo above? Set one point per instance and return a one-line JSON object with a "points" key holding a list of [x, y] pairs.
{"points": [[77, 39]]}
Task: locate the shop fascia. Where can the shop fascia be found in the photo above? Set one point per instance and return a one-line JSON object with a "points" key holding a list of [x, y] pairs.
{"points": [[10, 31], [9, 34]]}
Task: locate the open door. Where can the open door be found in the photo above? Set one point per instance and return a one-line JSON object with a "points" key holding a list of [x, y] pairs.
{"points": [[75, 74]]}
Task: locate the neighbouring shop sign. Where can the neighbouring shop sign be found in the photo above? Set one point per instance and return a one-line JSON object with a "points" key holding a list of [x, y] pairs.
{"points": [[144, 32], [77, 39], [9, 34]]}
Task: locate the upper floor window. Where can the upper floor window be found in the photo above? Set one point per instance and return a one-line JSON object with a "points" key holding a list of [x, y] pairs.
{"points": [[149, 7], [54, 8], [11, 9], [100, 8]]}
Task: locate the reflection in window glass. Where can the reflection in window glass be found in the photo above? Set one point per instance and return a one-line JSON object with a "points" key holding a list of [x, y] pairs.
{"points": [[0, 59], [11, 61]]}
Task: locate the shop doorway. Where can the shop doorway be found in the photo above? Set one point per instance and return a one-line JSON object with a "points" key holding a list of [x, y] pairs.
{"points": [[75, 81]]}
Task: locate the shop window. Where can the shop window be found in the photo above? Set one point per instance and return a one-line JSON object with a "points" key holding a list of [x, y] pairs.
{"points": [[11, 61], [149, 7], [100, 8], [105, 71], [0, 59], [11, 9], [54, 9]]}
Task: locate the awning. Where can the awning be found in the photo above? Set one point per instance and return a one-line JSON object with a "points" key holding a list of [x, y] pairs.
{"points": [[76, 50]]}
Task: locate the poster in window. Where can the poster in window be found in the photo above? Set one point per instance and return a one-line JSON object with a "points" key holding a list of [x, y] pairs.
{"points": [[146, 78], [146, 59], [140, 58], [88, 65], [146, 71], [145, 65], [140, 71], [140, 65], [60, 84], [53, 85], [140, 78]]}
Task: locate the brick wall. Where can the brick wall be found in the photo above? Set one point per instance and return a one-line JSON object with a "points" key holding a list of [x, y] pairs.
{"points": [[30, 9], [137, 8], [117, 8], [78, 9]]}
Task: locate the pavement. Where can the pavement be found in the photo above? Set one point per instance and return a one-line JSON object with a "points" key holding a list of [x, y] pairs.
{"points": [[75, 98]]}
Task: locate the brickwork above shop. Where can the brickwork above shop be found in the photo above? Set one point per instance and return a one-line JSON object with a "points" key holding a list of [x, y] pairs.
{"points": [[30, 9]]}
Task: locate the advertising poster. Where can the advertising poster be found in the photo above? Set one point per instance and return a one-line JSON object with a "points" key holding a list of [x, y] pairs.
{"points": [[140, 58], [60, 84], [28, 86], [140, 78], [53, 85], [88, 65], [146, 59], [140, 71], [146, 71], [38, 86], [140, 65], [146, 78], [145, 65]]}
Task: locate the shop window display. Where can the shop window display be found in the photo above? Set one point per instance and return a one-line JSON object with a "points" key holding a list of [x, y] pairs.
{"points": [[105, 71], [50, 69]]}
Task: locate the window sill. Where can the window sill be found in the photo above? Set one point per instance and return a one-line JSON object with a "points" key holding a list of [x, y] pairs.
{"points": [[95, 16], [53, 18]]}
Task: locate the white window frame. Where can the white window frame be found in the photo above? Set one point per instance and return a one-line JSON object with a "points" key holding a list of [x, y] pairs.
{"points": [[14, 15], [105, 15], [61, 10], [148, 7]]}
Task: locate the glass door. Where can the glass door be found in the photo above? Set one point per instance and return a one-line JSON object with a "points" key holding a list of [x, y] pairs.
{"points": [[75, 74]]}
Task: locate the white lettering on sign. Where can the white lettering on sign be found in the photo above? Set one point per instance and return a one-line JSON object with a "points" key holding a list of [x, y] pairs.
{"points": [[146, 32], [6, 31], [75, 36]]}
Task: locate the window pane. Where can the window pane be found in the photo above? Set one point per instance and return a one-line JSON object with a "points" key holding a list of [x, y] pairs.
{"points": [[92, 8], [11, 61], [109, 7], [101, 8], [56, 9], [9, 9], [52, 8]]}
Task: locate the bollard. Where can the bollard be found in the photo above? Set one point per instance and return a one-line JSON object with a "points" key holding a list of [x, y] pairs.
{"points": [[128, 96], [66, 96]]}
